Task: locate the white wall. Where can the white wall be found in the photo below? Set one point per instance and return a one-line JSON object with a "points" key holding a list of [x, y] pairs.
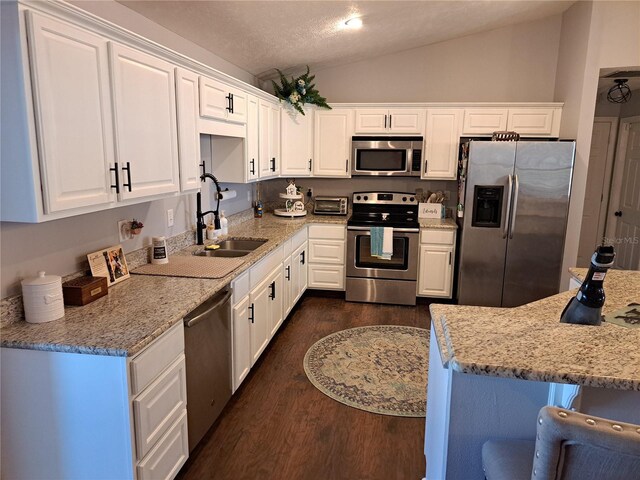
{"points": [[595, 35], [510, 64], [60, 247]]}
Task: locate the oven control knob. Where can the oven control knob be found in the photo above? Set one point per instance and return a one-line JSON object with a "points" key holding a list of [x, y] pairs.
{"points": [[404, 199], [411, 199], [358, 197], [366, 198]]}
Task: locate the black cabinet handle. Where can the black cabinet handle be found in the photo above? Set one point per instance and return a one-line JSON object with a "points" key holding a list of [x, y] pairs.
{"points": [[253, 166], [389, 121], [202, 167], [114, 169], [449, 258], [273, 290], [128, 169], [251, 317], [288, 272], [302, 257], [618, 213], [309, 164], [346, 165], [385, 121], [230, 103], [273, 164]]}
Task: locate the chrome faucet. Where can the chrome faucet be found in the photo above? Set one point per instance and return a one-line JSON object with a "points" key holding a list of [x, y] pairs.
{"points": [[200, 225]]}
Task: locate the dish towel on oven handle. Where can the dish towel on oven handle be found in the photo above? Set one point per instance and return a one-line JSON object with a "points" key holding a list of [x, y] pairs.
{"points": [[381, 242]]}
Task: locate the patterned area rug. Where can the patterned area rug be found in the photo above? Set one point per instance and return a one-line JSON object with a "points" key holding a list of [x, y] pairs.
{"points": [[380, 369]]}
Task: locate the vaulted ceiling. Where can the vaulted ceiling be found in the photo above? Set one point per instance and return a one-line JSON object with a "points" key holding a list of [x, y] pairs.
{"points": [[259, 36]]}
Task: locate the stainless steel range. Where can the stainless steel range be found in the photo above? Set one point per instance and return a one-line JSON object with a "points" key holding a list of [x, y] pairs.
{"points": [[373, 279]]}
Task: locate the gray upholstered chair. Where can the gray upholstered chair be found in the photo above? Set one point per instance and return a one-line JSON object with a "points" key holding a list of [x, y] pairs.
{"points": [[568, 446]]}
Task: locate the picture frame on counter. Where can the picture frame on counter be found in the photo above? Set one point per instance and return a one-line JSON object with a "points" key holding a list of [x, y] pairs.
{"points": [[110, 263]]}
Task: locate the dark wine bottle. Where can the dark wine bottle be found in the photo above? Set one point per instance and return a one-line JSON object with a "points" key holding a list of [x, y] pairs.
{"points": [[586, 307]]}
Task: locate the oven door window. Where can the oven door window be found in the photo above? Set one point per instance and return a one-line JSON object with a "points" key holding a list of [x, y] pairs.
{"points": [[399, 259], [381, 160], [328, 206]]}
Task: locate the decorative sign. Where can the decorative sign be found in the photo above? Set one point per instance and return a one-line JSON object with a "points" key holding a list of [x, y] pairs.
{"points": [[110, 263], [431, 210]]}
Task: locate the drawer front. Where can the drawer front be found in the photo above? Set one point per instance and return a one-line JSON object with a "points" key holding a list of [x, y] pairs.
{"points": [[326, 251], [240, 287], [531, 121], [327, 232], [157, 408], [438, 237], [168, 456], [264, 267], [484, 121], [326, 277], [156, 357]]}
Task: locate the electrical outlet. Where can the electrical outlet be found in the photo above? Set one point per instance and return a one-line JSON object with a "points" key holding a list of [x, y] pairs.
{"points": [[249, 196], [310, 192], [124, 230], [170, 217]]}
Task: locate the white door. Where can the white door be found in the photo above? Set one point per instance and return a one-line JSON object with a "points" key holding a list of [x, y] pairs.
{"points": [[188, 135], [214, 99], [276, 298], [288, 293], [299, 272], [406, 120], [332, 142], [594, 212], [296, 145], [484, 121], [266, 162], [70, 75], [436, 271], [441, 143], [241, 342], [253, 139], [260, 315], [238, 100], [624, 209], [371, 120], [531, 121], [146, 131], [274, 140]]}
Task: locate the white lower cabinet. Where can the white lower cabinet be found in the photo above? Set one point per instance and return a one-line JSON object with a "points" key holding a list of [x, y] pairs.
{"points": [[113, 417], [436, 263], [326, 257]]}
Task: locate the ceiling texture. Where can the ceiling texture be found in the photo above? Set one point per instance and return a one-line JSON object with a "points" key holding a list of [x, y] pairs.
{"points": [[260, 36]]}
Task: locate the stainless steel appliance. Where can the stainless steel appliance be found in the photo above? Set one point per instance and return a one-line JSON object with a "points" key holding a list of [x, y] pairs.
{"points": [[516, 202], [330, 205], [401, 156], [207, 336], [372, 279]]}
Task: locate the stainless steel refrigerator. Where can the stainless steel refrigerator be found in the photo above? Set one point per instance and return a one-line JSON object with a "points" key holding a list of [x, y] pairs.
{"points": [[516, 200]]}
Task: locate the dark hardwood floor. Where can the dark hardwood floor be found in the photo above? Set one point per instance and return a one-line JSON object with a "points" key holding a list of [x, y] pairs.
{"points": [[279, 426]]}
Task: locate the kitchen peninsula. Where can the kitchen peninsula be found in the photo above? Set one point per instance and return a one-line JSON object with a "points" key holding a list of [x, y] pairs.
{"points": [[492, 369]]}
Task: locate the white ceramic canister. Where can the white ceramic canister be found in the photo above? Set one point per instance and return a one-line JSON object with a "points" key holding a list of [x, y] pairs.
{"points": [[42, 298], [159, 253]]}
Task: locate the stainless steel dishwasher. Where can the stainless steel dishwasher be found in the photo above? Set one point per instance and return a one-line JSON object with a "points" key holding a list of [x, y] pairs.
{"points": [[207, 336]]}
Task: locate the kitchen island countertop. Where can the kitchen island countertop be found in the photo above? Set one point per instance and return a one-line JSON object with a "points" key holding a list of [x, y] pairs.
{"points": [[529, 342], [139, 309]]}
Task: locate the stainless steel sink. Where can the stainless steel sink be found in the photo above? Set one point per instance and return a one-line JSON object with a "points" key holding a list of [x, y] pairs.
{"points": [[239, 244], [222, 253]]}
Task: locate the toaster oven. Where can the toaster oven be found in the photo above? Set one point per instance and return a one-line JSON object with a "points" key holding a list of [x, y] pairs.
{"points": [[330, 205]]}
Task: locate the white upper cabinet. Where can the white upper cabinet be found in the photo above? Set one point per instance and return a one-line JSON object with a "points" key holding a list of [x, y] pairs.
{"points": [[483, 121], [188, 136], [387, 121], [441, 143], [269, 139], [253, 139], [145, 121], [535, 121], [333, 130], [72, 100], [220, 101], [296, 144]]}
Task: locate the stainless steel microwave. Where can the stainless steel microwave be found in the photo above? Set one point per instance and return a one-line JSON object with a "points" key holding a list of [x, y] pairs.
{"points": [[401, 156], [330, 205]]}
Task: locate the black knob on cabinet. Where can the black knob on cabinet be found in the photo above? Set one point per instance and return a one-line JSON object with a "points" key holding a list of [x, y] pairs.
{"points": [[618, 213]]}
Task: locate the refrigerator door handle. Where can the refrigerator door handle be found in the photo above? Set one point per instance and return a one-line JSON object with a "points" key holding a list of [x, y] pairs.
{"points": [[516, 190], [505, 230]]}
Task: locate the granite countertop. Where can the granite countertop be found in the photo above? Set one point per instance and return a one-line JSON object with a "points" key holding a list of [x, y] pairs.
{"points": [[529, 342], [445, 223], [139, 309]]}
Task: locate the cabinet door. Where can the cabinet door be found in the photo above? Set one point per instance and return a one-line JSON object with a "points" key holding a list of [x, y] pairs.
{"points": [[332, 142], [214, 99], [299, 272], [276, 297], [406, 120], [274, 139], [241, 332], [436, 271], [326, 277], [146, 131], [188, 135], [532, 121], [484, 121], [252, 141], [70, 75], [288, 290], [260, 315], [371, 120], [238, 111], [266, 163], [296, 145], [441, 143]]}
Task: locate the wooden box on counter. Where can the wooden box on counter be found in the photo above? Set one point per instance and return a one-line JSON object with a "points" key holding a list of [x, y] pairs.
{"points": [[84, 290]]}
